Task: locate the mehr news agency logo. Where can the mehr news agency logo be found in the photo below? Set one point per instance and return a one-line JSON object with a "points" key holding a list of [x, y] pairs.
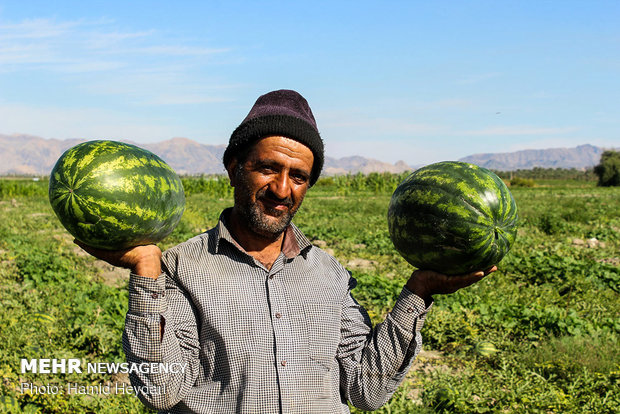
{"points": [[78, 366]]}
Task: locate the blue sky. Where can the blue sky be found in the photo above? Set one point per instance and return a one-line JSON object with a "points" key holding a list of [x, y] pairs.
{"points": [[416, 81]]}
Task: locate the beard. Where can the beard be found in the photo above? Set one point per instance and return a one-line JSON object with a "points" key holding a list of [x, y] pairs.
{"points": [[260, 218]]}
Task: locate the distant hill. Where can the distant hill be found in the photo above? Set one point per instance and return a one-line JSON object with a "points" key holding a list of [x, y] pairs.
{"points": [[583, 156], [30, 155], [189, 157], [22, 154], [357, 164]]}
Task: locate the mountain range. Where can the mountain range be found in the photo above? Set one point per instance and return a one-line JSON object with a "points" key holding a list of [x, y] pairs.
{"points": [[22, 154], [583, 156]]}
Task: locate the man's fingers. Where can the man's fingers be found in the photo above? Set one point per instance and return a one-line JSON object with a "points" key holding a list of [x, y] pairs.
{"points": [[143, 260], [426, 283], [459, 282], [113, 257], [482, 273], [463, 281], [88, 249]]}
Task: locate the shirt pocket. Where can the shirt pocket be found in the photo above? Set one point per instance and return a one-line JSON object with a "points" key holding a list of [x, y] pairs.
{"points": [[323, 329]]}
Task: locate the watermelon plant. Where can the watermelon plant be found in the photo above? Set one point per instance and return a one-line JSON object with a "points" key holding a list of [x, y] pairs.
{"points": [[452, 217], [551, 310], [113, 195]]}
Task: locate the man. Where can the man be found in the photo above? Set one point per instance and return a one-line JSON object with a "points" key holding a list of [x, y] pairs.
{"points": [[263, 321]]}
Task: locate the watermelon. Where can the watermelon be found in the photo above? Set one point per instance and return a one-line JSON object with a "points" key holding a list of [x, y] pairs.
{"points": [[485, 348], [453, 218], [112, 195], [446, 398], [42, 317]]}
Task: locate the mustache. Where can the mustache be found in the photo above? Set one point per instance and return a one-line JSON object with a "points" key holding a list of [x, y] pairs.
{"points": [[270, 196]]}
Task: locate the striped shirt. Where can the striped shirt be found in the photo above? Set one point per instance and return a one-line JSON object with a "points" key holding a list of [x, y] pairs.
{"points": [[290, 339]]}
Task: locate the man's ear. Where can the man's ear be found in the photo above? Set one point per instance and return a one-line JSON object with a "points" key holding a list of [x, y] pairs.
{"points": [[230, 168]]}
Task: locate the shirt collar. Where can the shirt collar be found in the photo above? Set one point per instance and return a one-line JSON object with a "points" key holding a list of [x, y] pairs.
{"points": [[295, 242]]}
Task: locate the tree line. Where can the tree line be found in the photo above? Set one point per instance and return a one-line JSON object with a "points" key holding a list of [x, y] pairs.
{"points": [[607, 172]]}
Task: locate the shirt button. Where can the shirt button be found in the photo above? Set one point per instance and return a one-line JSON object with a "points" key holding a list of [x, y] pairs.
{"points": [[283, 363], [278, 315], [270, 276], [410, 310], [154, 295]]}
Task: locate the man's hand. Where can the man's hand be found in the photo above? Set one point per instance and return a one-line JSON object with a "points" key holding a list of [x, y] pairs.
{"points": [[141, 260], [426, 283]]}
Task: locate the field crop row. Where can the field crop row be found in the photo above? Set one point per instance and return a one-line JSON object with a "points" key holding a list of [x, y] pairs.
{"points": [[538, 336]]}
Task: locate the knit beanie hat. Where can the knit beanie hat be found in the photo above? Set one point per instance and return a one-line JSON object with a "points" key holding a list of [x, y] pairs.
{"points": [[279, 113]]}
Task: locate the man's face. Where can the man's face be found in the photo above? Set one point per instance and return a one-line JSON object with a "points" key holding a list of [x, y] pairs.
{"points": [[271, 184]]}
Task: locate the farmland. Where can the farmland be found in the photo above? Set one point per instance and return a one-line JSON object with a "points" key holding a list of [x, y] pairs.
{"points": [[538, 336]]}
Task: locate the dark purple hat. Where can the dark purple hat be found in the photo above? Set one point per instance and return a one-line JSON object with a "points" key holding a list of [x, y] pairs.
{"points": [[282, 113]]}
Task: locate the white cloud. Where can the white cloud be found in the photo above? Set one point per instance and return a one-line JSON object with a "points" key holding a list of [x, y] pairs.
{"points": [[346, 122], [20, 54], [185, 99], [450, 103], [520, 130], [37, 29], [411, 152], [478, 78], [65, 46], [178, 50], [88, 123], [78, 67], [109, 40], [382, 126], [95, 58], [164, 85]]}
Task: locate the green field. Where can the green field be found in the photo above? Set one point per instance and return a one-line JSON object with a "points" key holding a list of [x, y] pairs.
{"points": [[552, 311]]}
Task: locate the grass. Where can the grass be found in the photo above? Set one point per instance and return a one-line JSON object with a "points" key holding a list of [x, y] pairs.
{"points": [[552, 311]]}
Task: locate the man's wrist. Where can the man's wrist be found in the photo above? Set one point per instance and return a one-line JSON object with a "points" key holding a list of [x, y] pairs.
{"points": [[148, 268], [426, 297], [419, 288]]}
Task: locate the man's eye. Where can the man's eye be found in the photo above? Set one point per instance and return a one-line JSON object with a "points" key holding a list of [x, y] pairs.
{"points": [[298, 178]]}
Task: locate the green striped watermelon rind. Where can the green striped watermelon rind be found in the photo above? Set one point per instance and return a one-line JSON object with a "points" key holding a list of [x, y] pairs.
{"points": [[486, 348], [452, 217], [112, 195]]}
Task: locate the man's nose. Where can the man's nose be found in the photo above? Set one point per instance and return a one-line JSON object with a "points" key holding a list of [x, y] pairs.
{"points": [[280, 186]]}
